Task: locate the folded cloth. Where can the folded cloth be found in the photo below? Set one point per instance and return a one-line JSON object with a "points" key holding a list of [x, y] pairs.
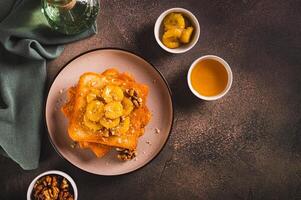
{"points": [[26, 42]]}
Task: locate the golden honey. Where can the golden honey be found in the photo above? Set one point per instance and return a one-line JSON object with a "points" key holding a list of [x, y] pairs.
{"points": [[209, 77]]}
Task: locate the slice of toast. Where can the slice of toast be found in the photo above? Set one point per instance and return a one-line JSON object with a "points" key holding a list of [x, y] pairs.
{"points": [[98, 149], [78, 132]]}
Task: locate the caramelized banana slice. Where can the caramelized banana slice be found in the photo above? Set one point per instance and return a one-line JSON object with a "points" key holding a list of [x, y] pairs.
{"points": [[94, 93], [91, 125], [174, 21], [127, 106], [95, 110], [171, 38], [95, 82], [111, 72], [186, 35], [112, 93], [109, 123], [123, 127], [113, 110]]}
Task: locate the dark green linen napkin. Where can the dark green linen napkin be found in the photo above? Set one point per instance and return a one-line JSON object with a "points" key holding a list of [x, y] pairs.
{"points": [[26, 43]]}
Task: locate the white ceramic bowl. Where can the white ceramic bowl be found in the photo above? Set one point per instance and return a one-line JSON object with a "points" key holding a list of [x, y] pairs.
{"points": [[56, 172], [226, 66], [158, 30]]}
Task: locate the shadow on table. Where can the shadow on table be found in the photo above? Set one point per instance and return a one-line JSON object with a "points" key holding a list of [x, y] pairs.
{"points": [[147, 45], [183, 98], [150, 49], [46, 147]]}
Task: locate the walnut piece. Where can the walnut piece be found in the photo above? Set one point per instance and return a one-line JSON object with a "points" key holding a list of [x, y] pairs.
{"points": [[126, 154], [52, 187]]}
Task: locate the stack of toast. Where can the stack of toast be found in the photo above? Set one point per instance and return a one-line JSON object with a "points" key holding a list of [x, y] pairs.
{"points": [[107, 111]]}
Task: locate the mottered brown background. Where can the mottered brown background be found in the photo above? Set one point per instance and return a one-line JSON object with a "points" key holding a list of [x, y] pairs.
{"points": [[246, 145]]}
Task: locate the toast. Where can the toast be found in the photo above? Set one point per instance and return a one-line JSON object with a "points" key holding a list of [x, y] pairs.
{"points": [[98, 149], [107, 110]]}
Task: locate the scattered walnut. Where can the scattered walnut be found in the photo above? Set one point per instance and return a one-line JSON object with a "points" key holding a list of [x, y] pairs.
{"points": [[134, 97], [130, 92], [73, 145], [126, 154], [113, 131], [106, 133], [136, 103]]}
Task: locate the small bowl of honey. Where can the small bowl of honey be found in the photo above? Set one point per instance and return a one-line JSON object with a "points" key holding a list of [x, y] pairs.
{"points": [[209, 77]]}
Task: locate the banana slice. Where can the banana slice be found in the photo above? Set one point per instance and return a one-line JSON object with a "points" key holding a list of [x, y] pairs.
{"points": [[95, 110], [173, 21], [186, 35], [91, 125], [94, 93], [127, 106], [123, 127], [109, 123], [171, 38], [113, 110], [112, 93]]}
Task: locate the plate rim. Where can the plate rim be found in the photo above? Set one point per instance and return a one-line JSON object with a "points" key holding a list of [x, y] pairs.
{"points": [[116, 49]]}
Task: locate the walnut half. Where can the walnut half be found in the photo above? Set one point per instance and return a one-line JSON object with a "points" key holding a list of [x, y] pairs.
{"points": [[52, 187], [126, 154]]}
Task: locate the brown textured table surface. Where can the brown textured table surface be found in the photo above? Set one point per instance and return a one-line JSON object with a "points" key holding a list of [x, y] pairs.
{"points": [[245, 146]]}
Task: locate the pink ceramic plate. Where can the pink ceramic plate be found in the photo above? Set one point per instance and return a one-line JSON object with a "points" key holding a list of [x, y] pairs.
{"points": [[159, 102]]}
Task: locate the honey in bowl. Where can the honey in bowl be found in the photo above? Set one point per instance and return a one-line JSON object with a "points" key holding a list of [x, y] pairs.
{"points": [[209, 77]]}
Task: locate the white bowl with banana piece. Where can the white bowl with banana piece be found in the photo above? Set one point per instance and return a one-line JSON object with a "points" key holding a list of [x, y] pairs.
{"points": [[177, 30]]}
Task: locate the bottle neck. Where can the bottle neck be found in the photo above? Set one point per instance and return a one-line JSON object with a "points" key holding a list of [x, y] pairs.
{"points": [[64, 4]]}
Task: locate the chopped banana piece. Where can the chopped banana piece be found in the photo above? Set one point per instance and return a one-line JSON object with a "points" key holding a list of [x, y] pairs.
{"points": [[186, 35], [171, 38], [173, 21]]}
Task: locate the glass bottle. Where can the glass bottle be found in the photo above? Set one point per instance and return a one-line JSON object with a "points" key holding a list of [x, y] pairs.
{"points": [[70, 16]]}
